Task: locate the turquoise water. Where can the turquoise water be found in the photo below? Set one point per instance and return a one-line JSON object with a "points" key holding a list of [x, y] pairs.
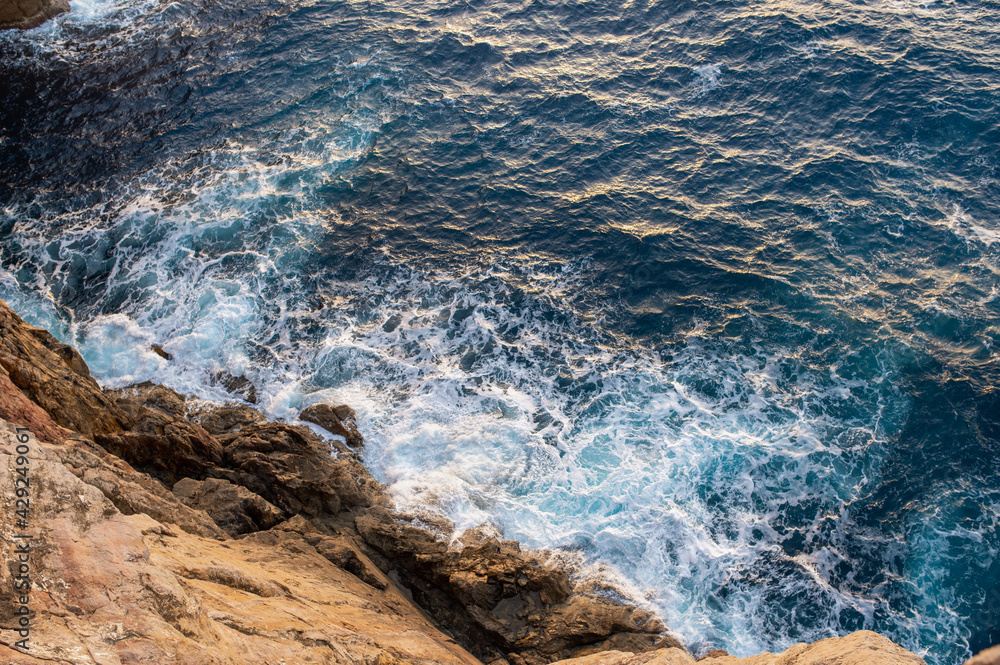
{"points": [[704, 294]]}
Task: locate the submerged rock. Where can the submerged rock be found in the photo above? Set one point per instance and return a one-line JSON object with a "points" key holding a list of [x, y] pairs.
{"points": [[158, 350], [237, 386]]}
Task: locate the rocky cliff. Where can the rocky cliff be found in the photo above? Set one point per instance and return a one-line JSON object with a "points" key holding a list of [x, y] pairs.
{"points": [[27, 14], [163, 530]]}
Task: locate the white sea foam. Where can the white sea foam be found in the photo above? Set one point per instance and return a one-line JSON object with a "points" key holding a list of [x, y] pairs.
{"points": [[35, 306], [965, 227], [707, 78]]}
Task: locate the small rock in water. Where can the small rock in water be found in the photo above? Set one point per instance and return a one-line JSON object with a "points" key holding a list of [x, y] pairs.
{"points": [[392, 323], [158, 350], [340, 420]]}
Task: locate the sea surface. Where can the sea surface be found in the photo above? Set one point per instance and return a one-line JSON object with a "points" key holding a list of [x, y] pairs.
{"points": [[705, 293]]}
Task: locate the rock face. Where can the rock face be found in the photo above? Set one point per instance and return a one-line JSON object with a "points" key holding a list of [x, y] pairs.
{"points": [[36, 368], [340, 420], [115, 588], [235, 509], [860, 648], [27, 14], [165, 531], [989, 656], [501, 601]]}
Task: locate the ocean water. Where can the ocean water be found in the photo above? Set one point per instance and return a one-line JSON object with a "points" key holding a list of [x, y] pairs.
{"points": [[704, 294]]}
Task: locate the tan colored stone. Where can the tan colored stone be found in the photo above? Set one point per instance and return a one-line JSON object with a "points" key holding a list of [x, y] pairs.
{"points": [[115, 589], [989, 656], [132, 492], [862, 647], [859, 648], [670, 656]]}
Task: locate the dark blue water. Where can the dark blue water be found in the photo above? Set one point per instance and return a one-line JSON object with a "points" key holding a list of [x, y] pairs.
{"points": [[705, 294]]}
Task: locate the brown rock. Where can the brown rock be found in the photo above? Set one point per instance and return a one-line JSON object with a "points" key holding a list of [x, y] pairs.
{"points": [[226, 419], [671, 656], [235, 509], [54, 377], [343, 551], [237, 386], [27, 14], [158, 350], [17, 408], [233, 578], [288, 466], [498, 600], [152, 395], [345, 554], [164, 445], [131, 491], [295, 470], [115, 589], [860, 648], [340, 420], [989, 656], [715, 653]]}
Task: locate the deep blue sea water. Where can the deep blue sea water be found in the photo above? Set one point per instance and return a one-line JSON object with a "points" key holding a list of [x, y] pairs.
{"points": [[703, 293]]}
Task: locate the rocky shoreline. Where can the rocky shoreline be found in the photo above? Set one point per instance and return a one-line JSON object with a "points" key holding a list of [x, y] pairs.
{"points": [[166, 530], [27, 14]]}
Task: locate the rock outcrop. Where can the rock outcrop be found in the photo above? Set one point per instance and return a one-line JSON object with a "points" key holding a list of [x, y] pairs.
{"points": [[165, 530], [860, 648], [502, 601], [116, 588], [989, 656], [339, 420], [27, 14], [235, 509], [35, 368]]}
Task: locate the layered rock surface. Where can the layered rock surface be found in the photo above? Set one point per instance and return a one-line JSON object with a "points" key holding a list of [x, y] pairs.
{"points": [[860, 648], [167, 531], [116, 588], [27, 14]]}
